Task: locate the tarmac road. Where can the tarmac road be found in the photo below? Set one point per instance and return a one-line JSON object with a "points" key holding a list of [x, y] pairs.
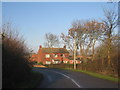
{"points": [[58, 78]]}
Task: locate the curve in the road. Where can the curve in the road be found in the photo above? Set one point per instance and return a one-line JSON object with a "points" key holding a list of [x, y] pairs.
{"points": [[68, 78], [57, 78]]}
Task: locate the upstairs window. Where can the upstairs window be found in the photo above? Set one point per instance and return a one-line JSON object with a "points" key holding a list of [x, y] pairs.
{"points": [[47, 55], [55, 55], [62, 55]]}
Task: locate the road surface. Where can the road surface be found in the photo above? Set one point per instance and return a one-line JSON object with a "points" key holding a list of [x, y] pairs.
{"points": [[57, 78]]}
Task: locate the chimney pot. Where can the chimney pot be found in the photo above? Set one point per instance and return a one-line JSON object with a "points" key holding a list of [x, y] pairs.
{"points": [[64, 46], [40, 46]]}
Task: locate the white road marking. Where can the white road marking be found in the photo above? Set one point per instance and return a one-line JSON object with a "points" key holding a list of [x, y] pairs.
{"points": [[67, 77]]}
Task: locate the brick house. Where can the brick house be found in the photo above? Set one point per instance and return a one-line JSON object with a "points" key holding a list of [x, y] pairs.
{"points": [[33, 57], [51, 55], [71, 60]]}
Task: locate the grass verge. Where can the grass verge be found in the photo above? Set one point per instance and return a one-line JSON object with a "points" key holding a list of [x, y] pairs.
{"points": [[33, 81], [96, 75]]}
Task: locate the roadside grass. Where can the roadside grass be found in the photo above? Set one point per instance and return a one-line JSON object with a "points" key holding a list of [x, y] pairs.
{"points": [[33, 81], [95, 75]]}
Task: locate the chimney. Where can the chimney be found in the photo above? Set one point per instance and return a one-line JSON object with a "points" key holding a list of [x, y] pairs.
{"points": [[40, 46], [64, 46]]}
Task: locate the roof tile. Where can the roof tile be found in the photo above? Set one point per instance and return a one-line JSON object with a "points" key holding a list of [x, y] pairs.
{"points": [[55, 50]]}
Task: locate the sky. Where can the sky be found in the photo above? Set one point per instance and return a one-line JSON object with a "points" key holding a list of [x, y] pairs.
{"points": [[34, 19]]}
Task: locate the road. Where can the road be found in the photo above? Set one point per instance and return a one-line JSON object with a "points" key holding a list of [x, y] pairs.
{"points": [[58, 78]]}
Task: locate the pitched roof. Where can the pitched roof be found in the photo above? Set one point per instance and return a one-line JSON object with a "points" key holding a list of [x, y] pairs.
{"points": [[54, 50]]}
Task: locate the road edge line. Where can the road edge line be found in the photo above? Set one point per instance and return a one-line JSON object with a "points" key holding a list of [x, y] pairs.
{"points": [[68, 78]]}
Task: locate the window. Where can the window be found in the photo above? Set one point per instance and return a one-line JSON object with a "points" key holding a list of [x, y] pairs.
{"points": [[47, 56], [65, 61], [56, 62], [55, 55], [52, 60], [48, 62], [63, 55]]}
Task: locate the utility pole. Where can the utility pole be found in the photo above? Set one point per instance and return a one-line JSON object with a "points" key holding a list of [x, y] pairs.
{"points": [[75, 51]]}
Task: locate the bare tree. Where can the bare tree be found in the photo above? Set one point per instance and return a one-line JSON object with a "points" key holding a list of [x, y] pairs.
{"points": [[110, 23], [95, 30], [78, 27], [52, 40], [73, 34], [68, 42]]}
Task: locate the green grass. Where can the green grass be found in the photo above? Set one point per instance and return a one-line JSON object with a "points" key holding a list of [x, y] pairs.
{"points": [[33, 81], [95, 75]]}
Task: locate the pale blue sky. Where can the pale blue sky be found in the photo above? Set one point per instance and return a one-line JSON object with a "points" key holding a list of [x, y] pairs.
{"points": [[34, 19]]}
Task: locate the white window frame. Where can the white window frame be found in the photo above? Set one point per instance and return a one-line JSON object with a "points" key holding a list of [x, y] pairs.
{"points": [[55, 55], [47, 55], [56, 62], [53, 60], [48, 62], [64, 61], [63, 55]]}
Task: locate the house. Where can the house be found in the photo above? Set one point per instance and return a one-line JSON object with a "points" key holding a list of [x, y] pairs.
{"points": [[51, 55], [84, 57], [34, 57], [71, 60]]}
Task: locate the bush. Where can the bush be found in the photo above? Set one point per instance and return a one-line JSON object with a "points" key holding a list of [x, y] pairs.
{"points": [[40, 63], [34, 62], [16, 67]]}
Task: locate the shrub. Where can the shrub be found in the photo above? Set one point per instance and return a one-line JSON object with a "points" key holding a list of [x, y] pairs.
{"points": [[34, 62], [16, 67], [40, 63]]}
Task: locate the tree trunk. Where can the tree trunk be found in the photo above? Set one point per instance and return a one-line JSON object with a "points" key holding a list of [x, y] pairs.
{"points": [[109, 58], [93, 50], [75, 53], [86, 51], [109, 49], [81, 50]]}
